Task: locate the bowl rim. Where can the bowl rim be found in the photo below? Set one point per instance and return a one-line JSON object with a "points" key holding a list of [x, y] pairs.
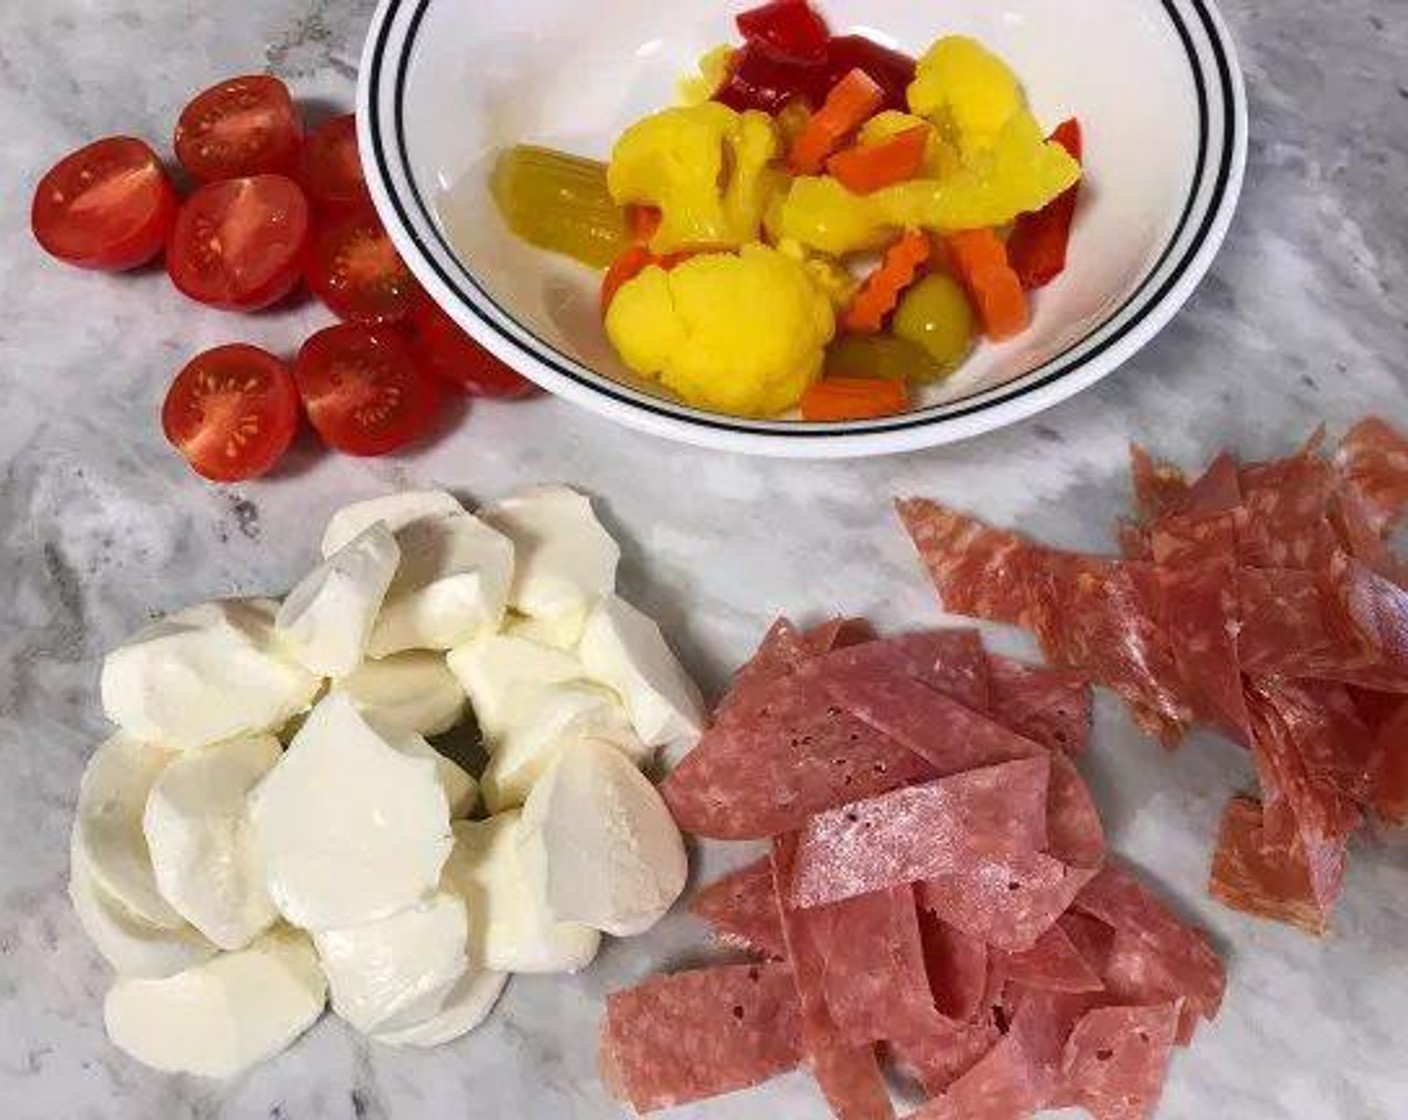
{"points": [[1106, 345]]}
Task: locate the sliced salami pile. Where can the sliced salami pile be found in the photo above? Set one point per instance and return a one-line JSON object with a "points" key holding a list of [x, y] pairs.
{"points": [[1262, 599], [936, 897]]}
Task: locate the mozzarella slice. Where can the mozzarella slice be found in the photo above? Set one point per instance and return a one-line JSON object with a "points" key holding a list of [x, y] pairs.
{"points": [[625, 650], [598, 843], [398, 971], [496, 671], [539, 723], [461, 790], [221, 1017], [467, 1005], [197, 829], [327, 619], [108, 826], [560, 631], [566, 559], [395, 511], [203, 675], [510, 929], [350, 828], [414, 690], [133, 947], [451, 587]]}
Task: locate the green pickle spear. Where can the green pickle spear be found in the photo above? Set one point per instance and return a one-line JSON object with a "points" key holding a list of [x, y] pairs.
{"points": [[559, 202]]}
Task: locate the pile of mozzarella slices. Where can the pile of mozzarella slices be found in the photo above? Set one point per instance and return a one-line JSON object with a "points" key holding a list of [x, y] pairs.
{"points": [[235, 883]]}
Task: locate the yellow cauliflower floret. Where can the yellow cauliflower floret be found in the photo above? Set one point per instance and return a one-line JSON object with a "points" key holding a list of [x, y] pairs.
{"points": [[829, 274], [713, 71], [966, 90], [823, 215], [705, 167], [741, 334]]}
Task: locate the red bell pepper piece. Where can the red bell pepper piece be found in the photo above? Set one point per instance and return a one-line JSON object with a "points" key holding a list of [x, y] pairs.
{"points": [[791, 30], [1037, 247]]}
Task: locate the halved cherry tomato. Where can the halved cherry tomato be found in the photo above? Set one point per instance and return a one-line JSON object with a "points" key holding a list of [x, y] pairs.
{"points": [[355, 269], [237, 244], [364, 392], [232, 412], [332, 167], [241, 127], [108, 206], [452, 355]]}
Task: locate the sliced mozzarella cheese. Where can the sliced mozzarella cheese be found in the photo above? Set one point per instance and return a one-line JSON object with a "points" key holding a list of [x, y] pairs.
{"points": [[398, 971], [558, 631], [327, 619], [598, 843], [221, 1017], [540, 722], [108, 826], [414, 690], [496, 671], [395, 511], [467, 1005], [566, 559], [624, 649], [461, 790], [451, 587], [197, 828], [205, 674], [510, 929], [133, 947], [349, 827]]}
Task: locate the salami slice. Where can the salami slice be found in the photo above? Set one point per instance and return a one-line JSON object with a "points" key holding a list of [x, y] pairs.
{"points": [[950, 737], [738, 1024], [1053, 964], [1390, 796], [939, 1056], [1282, 520], [1160, 488], [1075, 834], [1265, 880], [1049, 706], [957, 968], [1116, 898], [959, 823], [1092, 938], [851, 1081], [1373, 458], [741, 909], [951, 662], [1335, 745], [838, 633], [978, 571], [1116, 1060], [781, 651]]}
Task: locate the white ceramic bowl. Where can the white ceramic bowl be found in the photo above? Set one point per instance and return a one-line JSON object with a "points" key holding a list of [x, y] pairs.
{"points": [[447, 84]]}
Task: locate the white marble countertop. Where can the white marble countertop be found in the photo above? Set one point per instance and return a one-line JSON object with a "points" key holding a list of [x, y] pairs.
{"points": [[1304, 319]]}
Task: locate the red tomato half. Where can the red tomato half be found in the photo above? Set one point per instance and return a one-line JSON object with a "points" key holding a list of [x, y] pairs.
{"points": [[355, 269], [332, 168], [363, 390], [232, 412], [108, 206], [452, 355], [241, 127], [238, 243]]}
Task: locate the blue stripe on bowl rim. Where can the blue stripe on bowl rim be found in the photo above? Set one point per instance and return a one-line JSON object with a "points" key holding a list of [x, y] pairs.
{"points": [[1145, 298]]}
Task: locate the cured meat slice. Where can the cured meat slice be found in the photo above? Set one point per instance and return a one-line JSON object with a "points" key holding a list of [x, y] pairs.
{"points": [[1007, 900], [838, 633], [1053, 964], [1160, 488], [1329, 734], [852, 1083], [1049, 706], [978, 570], [951, 662], [1119, 900], [1196, 560], [781, 651], [793, 755], [1373, 458], [1390, 796], [1282, 520], [741, 908], [950, 737], [805, 934], [957, 968], [1092, 938], [1259, 878], [919, 832], [938, 1057], [1116, 1059], [1075, 834], [738, 1024]]}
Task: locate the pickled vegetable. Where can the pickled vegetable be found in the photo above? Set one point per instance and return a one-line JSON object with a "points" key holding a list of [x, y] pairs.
{"points": [[967, 91], [935, 316], [881, 356], [560, 202]]}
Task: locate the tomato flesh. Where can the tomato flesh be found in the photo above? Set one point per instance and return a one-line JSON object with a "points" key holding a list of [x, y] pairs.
{"points": [[232, 412], [241, 127], [237, 244], [108, 206], [331, 170], [364, 391], [453, 356], [355, 269]]}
